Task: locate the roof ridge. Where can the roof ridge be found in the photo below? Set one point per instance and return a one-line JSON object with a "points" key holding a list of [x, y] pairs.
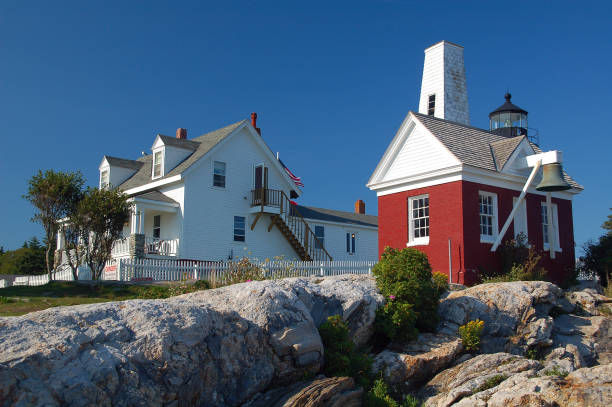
{"points": [[238, 123], [337, 210], [456, 123]]}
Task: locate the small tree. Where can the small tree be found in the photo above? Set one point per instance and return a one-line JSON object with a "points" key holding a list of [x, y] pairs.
{"points": [[54, 195], [98, 221]]}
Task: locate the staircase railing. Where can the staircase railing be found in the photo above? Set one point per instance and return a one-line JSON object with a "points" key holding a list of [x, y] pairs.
{"points": [[293, 219]]}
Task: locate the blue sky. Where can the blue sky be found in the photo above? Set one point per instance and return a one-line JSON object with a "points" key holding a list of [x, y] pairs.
{"points": [[330, 80]]}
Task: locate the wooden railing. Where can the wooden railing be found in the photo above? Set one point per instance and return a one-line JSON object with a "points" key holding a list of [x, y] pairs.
{"points": [[266, 197], [168, 247], [293, 219]]}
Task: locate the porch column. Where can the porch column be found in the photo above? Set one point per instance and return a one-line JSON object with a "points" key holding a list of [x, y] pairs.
{"points": [[140, 221], [134, 220]]}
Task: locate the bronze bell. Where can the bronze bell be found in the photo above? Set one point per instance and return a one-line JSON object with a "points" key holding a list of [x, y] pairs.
{"points": [[552, 179]]}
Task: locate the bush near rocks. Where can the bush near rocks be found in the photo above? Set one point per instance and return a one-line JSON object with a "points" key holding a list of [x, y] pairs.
{"points": [[470, 334], [341, 358], [404, 277]]}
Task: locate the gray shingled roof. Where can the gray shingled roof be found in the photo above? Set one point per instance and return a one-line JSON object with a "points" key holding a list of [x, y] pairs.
{"points": [[331, 215], [179, 142], [477, 147], [122, 162], [470, 145], [503, 149], [155, 195], [204, 144]]}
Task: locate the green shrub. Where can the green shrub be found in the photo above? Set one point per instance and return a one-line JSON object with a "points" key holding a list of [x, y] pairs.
{"points": [[396, 320], [440, 281], [243, 270], [379, 396], [556, 371], [490, 383], [470, 334], [405, 275], [532, 354], [527, 270], [341, 358]]}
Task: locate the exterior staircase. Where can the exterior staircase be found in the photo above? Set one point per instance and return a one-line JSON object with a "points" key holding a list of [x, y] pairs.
{"points": [[290, 223]]}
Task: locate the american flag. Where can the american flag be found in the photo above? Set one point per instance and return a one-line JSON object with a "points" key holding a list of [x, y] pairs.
{"points": [[297, 180]]}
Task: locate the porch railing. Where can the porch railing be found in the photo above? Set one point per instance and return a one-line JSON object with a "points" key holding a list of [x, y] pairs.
{"points": [[266, 197], [162, 247], [121, 248]]}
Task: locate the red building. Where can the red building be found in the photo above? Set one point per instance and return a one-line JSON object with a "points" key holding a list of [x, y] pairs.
{"points": [[447, 188]]}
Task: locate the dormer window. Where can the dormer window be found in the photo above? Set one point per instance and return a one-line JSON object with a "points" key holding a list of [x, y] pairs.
{"points": [[104, 183], [157, 164]]}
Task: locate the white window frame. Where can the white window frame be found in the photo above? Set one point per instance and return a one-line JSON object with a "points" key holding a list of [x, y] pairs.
{"points": [[520, 219], [495, 228], [555, 215], [102, 184], [161, 164], [234, 229], [421, 240], [351, 243], [224, 174]]}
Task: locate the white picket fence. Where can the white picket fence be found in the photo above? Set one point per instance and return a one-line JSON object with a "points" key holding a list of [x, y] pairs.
{"points": [[177, 270], [64, 274], [219, 272]]}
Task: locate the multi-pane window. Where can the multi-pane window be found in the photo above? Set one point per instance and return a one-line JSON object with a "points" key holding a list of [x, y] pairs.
{"points": [[350, 243], [431, 105], [157, 164], [219, 174], [418, 207], [487, 204], [545, 222], [156, 226], [319, 232], [239, 228], [104, 183]]}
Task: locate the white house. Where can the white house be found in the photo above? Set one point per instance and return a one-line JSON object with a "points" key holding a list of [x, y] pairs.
{"points": [[225, 195]]}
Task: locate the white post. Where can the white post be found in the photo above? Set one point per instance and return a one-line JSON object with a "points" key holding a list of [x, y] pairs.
{"points": [[322, 271], [140, 221], [551, 229], [134, 220], [516, 205]]}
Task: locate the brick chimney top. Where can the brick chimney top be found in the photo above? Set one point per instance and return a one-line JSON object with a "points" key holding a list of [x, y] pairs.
{"points": [[181, 134], [360, 207], [254, 122]]}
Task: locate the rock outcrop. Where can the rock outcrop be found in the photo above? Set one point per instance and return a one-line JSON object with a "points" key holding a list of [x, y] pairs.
{"points": [[322, 392], [471, 376], [588, 300], [214, 348], [417, 361], [516, 315], [504, 380]]}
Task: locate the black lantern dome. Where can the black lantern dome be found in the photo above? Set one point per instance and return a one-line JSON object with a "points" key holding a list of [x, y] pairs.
{"points": [[508, 120]]}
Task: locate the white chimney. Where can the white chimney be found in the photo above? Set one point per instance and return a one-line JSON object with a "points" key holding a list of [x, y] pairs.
{"points": [[444, 89]]}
